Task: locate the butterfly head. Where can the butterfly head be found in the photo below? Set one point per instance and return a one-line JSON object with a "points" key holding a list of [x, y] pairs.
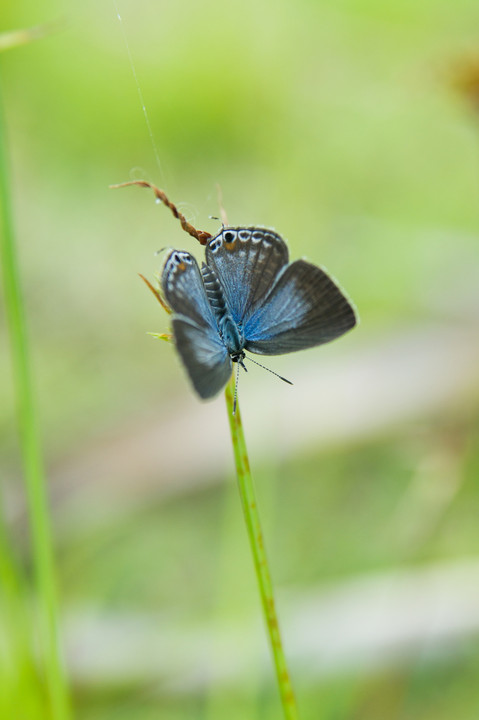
{"points": [[238, 358]]}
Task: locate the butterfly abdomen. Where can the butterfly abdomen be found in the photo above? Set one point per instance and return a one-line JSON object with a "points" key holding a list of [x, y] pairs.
{"points": [[214, 291]]}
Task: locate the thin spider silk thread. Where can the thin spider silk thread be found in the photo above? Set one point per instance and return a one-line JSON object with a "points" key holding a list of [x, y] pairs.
{"points": [[140, 93]]}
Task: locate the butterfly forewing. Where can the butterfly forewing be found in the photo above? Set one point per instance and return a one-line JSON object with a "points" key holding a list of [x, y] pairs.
{"points": [[304, 308], [248, 261]]}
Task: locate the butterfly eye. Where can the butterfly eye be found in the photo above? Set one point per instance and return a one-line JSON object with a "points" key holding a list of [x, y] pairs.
{"points": [[229, 236]]}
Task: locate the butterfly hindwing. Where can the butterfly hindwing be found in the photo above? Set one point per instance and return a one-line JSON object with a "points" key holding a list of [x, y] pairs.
{"points": [[247, 260], [304, 308], [183, 288], [203, 354]]}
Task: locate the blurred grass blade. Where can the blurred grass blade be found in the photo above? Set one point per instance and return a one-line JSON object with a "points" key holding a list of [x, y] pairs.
{"points": [[255, 534], [20, 686], [31, 452]]}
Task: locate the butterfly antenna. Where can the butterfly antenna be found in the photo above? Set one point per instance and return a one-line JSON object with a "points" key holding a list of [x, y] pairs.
{"points": [[201, 235], [250, 359], [236, 388]]}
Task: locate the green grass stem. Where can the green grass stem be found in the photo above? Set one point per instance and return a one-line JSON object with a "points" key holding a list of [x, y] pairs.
{"points": [[54, 675], [255, 534]]}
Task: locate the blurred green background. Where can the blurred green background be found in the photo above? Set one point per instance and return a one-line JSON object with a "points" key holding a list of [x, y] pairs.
{"points": [[344, 126]]}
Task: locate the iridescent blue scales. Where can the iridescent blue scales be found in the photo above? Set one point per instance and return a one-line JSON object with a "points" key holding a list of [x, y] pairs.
{"points": [[247, 297]]}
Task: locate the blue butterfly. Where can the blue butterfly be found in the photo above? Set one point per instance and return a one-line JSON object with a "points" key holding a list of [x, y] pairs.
{"points": [[247, 296]]}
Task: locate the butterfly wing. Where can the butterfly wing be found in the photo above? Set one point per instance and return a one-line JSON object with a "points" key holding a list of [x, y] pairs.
{"points": [[304, 308], [183, 288], [247, 260], [203, 354], [197, 339]]}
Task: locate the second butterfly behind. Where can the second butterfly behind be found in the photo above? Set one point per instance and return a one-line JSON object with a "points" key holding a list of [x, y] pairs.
{"points": [[247, 296]]}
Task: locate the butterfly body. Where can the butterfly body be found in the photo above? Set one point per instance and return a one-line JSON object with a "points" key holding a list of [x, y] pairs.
{"points": [[247, 297], [229, 330]]}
